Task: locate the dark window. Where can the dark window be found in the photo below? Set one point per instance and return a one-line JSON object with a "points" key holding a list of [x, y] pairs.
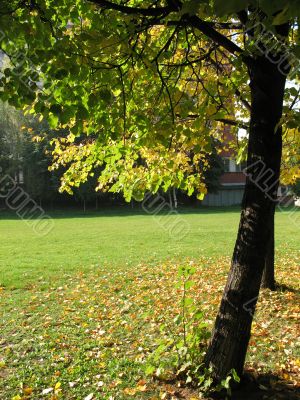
{"points": [[226, 162]]}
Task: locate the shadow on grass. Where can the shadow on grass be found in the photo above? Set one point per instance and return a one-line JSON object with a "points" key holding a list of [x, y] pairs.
{"points": [[284, 288], [252, 387], [262, 387], [122, 211], [128, 211]]}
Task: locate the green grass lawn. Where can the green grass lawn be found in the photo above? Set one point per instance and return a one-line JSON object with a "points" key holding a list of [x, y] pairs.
{"points": [[83, 307], [120, 239]]}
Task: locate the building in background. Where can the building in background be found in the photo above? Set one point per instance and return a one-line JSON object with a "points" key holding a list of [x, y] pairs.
{"points": [[232, 186], [232, 182]]}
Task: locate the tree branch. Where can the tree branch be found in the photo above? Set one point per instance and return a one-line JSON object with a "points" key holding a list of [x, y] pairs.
{"points": [[19, 5], [295, 100], [224, 25], [243, 16], [226, 121], [214, 35], [150, 12], [233, 122], [213, 24], [243, 101], [205, 27]]}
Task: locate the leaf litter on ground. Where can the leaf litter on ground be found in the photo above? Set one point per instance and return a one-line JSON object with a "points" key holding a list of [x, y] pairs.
{"points": [[90, 337]]}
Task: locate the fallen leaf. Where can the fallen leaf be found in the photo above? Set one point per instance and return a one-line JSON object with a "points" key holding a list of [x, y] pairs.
{"points": [[130, 391], [48, 390], [27, 391]]}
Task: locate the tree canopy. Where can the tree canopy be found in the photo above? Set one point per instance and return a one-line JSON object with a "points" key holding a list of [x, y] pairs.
{"points": [[144, 88]]}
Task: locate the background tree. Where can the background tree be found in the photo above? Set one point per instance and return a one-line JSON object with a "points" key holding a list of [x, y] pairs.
{"points": [[11, 121], [296, 188]]}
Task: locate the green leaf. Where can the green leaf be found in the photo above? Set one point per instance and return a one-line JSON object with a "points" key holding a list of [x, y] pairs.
{"points": [[150, 369], [198, 315], [293, 91], [188, 301], [82, 112], [281, 17], [55, 109], [200, 196], [189, 284], [105, 95], [93, 100], [235, 375], [190, 7], [228, 7], [67, 113], [52, 120], [60, 74]]}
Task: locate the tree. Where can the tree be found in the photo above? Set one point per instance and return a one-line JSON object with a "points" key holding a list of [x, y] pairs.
{"points": [[86, 66], [289, 175], [214, 172], [22, 158], [86, 192], [11, 141], [296, 188], [38, 182], [4, 151]]}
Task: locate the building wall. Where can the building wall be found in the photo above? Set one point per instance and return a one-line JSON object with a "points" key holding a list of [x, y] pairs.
{"points": [[233, 178], [225, 197], [232, 190]]}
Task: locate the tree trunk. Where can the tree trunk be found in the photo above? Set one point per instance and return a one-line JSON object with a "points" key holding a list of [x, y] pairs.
{"points": [[175, 198], [231, 334], [170, 198], [268, 278]]}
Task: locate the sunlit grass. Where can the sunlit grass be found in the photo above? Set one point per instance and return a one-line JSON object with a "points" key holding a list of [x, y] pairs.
{"points": [[82, 307], [121, 239]]}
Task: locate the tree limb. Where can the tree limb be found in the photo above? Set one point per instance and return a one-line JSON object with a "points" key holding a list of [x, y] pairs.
{"points": [[150, 12], [233, 122], [226, 121], [243, 16], [243, 101], [214, 35], [205, 27], [224, 25]]}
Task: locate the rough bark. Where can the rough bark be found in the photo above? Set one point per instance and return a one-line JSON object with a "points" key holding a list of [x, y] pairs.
{"points": [[268, 278], [231, 334]]}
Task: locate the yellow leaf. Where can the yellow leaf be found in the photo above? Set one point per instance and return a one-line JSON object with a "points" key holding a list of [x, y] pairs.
{"points": [[28, 391], [57, 385], [130, 391], [141, 388]]}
